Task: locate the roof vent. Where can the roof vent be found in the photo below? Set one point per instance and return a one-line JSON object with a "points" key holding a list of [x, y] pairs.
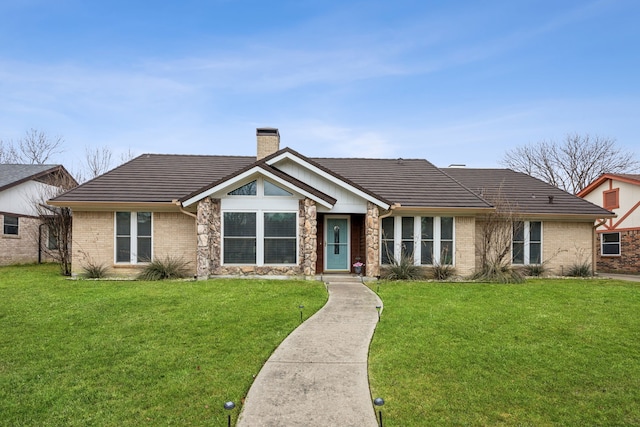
{"points": [[457, 165], [550, 199]]}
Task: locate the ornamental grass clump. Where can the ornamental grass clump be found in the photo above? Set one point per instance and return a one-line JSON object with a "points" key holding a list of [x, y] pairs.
{"points": [[403, 269], [582, 269], [95, 271], [167, 268]]}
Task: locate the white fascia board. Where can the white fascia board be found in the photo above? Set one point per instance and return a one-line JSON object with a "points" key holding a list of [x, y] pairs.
{"points": [[247, 174], [328, 177]]}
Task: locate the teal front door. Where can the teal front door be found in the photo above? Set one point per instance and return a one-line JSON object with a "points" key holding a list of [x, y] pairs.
{"points": [[337, 238]]}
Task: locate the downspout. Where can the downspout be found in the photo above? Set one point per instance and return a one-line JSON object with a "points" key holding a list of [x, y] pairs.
{"points": [[40, 243], [191, 214]]}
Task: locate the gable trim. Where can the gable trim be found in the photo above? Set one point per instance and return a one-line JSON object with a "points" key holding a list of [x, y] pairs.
{"points": [[247, 174], [299, 160]]}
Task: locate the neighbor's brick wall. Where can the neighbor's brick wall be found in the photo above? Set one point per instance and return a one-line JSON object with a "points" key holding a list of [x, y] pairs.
{"points": [[22, 248], [565, 244], [629, 259], [465, 240]]}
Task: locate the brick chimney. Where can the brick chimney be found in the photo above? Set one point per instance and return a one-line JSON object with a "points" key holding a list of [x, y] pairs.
{"points": [[268, 141]]}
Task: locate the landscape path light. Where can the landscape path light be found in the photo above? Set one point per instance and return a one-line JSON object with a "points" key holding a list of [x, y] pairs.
{"points": [[378, 401], [229, 407]]}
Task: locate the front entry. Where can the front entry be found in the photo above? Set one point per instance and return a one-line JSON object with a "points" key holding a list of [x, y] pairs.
{"points": [[337, 244]]}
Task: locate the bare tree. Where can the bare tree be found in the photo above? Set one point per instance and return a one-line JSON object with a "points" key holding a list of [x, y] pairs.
{"points": [[98, 160], [7, 153], [573, 163], [57, 219], [36, 147], [496, 235]]}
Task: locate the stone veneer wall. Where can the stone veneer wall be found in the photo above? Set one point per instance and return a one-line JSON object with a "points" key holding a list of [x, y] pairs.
{"points": [[209, 258], [372, 237], [629, 259]]}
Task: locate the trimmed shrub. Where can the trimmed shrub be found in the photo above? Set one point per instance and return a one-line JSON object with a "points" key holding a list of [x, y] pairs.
{"points": [[167, 268]]}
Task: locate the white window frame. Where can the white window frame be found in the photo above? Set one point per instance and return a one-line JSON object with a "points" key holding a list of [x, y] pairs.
{"points": [[619, 244], [133, 237], [417, 238], [260, 237], [526, 259], [16, 225]]}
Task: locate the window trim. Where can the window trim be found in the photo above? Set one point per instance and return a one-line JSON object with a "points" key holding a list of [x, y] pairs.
{"points": [[133, 238], [619, 244], [526, 256], [605, 193], [6, 226], [417, 239]]}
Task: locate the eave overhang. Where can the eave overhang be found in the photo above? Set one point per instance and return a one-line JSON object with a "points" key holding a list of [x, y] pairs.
{"points": [[117, 206]]}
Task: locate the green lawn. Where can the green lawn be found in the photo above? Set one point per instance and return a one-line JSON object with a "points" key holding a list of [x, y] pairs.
{"points": [[545, 353], [114, 353]]}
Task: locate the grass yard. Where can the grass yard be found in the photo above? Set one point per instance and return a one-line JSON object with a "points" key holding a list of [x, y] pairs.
{"points": [[116, 353], [544, 353]]}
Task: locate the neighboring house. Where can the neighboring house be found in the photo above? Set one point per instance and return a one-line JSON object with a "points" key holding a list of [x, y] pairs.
{"points": [[21, 188], [282, 213], [618, 239]]}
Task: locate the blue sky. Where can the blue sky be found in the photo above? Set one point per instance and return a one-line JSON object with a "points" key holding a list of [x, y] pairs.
{"points": [[450, 81]]}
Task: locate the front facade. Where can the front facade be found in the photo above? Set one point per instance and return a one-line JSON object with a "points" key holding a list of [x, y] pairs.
{"points": [[618, 239], [283, 214], [23, 237]]}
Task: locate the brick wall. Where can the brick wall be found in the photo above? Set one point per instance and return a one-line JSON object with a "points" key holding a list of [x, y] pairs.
{"points": [[465, 241], [174, 234], [565, 244], [629, 259], [23, 248]]}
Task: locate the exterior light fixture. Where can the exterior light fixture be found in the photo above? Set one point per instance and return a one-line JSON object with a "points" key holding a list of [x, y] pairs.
{"points": [[378, 401], [229, 406]]}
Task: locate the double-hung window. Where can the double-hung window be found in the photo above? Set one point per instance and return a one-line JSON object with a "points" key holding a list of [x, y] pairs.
{"points": [[526, 246], [11, 225], [134, 237], [610, 244], [426, 240]]}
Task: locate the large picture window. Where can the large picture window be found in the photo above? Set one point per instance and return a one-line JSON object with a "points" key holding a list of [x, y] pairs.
{"points": [[260, 238], [526, 246], [425, 240], [134, 237], [11, 225], [610, 244]]}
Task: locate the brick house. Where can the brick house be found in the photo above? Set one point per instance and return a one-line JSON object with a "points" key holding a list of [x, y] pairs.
{"points": [[281, 213], [618, 239], [24, 238]]}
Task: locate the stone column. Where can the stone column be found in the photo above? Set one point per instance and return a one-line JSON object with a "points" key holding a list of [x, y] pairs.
{"points": [[308, 236], [215, 237], [203, 222], [372, 235]]}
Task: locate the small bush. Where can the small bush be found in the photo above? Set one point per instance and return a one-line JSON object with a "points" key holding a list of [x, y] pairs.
{"points": [[580, 270], [167, 268], [442, 271], [93, 270], [504, 274], [404, 269], [535, 270]]}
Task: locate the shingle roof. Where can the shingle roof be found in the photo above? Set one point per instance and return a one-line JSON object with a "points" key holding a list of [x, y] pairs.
{"points": [[14, 174], [529, 195], [156, 178], [408, 182]]}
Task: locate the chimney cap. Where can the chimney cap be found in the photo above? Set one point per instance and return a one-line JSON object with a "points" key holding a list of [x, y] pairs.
{"points": [[267, 131]]}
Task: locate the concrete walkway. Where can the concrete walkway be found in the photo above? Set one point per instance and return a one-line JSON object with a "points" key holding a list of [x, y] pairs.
{"points": [[318, 375]]}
